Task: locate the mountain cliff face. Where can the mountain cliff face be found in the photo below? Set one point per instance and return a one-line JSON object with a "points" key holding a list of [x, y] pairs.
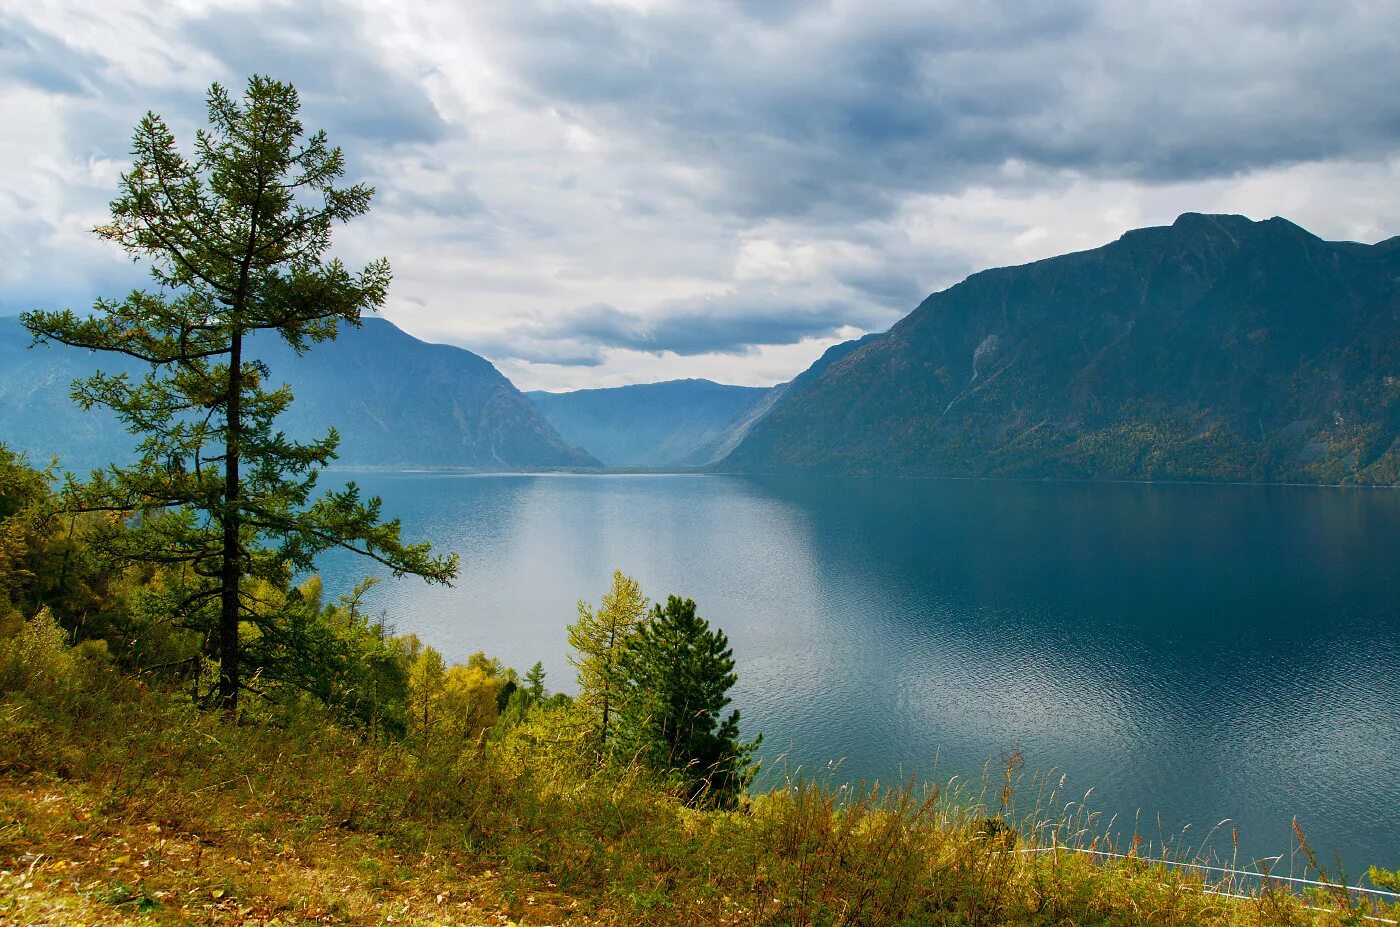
{"points": [[675, 423], [734, 435], [1213, 349], [396, 401]]}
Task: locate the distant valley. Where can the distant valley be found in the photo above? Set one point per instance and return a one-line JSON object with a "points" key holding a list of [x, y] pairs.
{"points": [[680, 423]]}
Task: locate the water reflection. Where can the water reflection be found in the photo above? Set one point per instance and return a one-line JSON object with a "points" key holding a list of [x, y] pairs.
{"points": [[1192, 652]]}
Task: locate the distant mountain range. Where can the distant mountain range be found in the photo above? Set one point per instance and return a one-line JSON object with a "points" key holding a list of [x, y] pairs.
{"points": [[678, 423], [396, 401], [1216, 348], [673, 424]]}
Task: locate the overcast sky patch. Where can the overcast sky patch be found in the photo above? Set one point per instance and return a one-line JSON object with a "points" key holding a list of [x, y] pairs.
{"points": [[594, 193]]}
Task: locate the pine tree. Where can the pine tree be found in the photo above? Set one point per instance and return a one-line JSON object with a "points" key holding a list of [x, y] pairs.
{"points": [[236, 237], [597, 639], [534, 682], [677, 673]]}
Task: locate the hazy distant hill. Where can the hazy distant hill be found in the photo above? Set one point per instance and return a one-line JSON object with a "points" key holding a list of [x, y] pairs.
{"points": [[397, 402], [1216, 348], [37, 415], [733, 436], [675, 423]]}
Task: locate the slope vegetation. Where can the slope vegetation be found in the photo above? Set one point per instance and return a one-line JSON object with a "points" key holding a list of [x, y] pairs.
{"points": [[1213, 349], [122, 804]]}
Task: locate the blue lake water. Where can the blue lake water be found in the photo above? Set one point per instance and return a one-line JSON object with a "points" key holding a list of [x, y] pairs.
{"points": [[1192, 653]]}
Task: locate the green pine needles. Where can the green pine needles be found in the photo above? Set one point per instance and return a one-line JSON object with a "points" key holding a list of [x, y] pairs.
{"points": [[657, 686], [220, 499]]}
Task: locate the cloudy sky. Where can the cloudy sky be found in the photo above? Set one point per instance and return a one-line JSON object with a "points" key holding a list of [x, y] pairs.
{"points": [[616, 191]]}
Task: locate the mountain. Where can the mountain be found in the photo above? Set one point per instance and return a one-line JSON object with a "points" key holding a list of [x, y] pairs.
{"points": [[675, 423], [733, 436], [1216, 348], [37, 415], [396, 401]]}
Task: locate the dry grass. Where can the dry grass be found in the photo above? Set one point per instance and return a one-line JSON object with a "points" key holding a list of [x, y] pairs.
{"points": [[120, 805], [69, 864]]}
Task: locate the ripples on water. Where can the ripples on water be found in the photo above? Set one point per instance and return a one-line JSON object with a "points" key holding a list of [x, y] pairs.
{"points": [[1193, 653]]}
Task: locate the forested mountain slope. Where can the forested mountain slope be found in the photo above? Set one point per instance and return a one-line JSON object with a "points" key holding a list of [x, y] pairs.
{"points": [[396, 401], [1216, 348]]}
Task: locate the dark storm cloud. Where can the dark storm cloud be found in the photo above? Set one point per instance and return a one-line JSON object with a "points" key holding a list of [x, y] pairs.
{"points": [[459, 204], [844, 113], [887, 288], [734, 324], [44, 61], [344, 85], [316, 47]]}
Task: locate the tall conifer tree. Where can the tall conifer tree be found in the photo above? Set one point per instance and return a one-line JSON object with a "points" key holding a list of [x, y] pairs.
{"points": [[236, 237], [678, 673]]}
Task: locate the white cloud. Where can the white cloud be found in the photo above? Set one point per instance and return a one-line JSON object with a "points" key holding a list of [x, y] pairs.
{"points": [[765, 160]]}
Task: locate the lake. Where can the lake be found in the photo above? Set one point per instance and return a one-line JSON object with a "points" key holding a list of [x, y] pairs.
{"points": [[1193, 653]]}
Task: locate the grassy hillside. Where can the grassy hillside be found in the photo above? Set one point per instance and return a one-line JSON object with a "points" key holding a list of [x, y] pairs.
{"points": [[121, 804]]}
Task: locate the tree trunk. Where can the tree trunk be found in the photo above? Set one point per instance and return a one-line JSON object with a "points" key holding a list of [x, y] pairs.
{"points": [[229, 682], [611, 669]]}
